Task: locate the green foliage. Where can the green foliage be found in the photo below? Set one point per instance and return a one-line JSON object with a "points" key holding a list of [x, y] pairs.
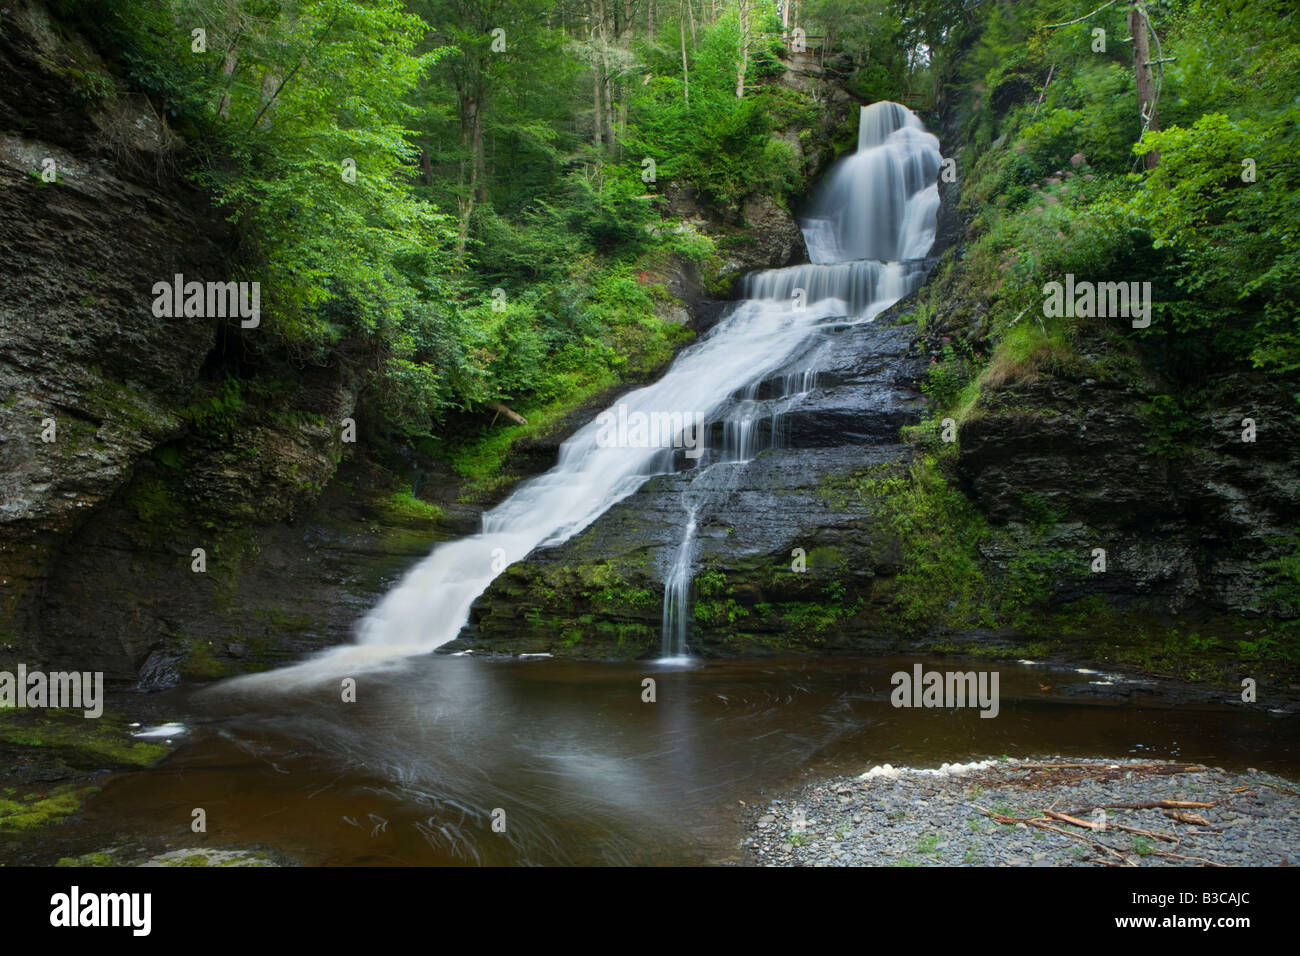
{"points": [[1172, 425], [716, 604], [218, 412], [947, 377], [1235, 241], [718, 143]]}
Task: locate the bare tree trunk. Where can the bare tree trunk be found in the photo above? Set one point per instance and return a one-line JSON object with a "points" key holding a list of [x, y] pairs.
{"points": [[228, 67], [686, 73], [1137, 27], [598, 40], [598, 112], [742, 15], [650, 19], [472, 135], [471, 140], [609, 109], [690, 14]]}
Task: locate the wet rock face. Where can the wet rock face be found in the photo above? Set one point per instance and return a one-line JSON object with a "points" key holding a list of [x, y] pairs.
{"points": [[778, 240], [1183, 530], [762, 235], [98, 525], [601, 592], [79, 345]]}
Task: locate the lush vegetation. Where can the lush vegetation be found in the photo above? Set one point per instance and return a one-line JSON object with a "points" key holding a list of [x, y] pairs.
{"points": [[1054, 179], [1058, 177], [467, 198], [474, 196]]}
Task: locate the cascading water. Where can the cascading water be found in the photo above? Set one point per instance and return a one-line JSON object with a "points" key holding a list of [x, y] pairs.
{"points": [[876, 211], [866, 231]]}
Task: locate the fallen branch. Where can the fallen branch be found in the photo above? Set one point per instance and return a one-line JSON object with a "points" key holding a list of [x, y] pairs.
{"points": [[1149, 805], [1275, 786], [501, 409], [1123, 768], [1044, 90], [1190, 859], [1044, 825], [1193, 818], [1111, 826]]}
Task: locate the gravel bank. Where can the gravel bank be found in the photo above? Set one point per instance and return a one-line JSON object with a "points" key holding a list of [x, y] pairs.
{"points": [[994, 813]]}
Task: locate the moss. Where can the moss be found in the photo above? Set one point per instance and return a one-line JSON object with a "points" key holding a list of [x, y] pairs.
{"points": [[282, 622], [86, 742], [201, 664], [154, 504], [100, 858], [404, 505], [1030, 649], [35, 810], [217, 410], [826, 557], [122, 406]]}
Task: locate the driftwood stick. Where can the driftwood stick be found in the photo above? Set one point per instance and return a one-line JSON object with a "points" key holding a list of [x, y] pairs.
{"points": [[1155, 835], [1148, 805], [1044, 825], [501, 409], [1181, 816], [1124, 768]]}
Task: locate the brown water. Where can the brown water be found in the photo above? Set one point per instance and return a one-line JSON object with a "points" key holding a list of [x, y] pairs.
{"points": [[585, 771]]}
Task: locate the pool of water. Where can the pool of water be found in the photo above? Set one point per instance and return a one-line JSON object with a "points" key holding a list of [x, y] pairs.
{"points": [[581, 770]]}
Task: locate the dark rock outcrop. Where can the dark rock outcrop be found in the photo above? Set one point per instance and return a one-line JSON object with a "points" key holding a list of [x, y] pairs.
{"points": [[83, 361], [1185, 531], [601, 593]]}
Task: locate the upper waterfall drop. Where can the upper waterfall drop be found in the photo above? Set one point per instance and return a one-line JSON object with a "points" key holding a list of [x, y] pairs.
{"points": [[881, 201]]}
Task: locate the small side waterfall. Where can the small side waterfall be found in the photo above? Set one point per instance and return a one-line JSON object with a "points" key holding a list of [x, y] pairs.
{"points": [[875, 212], [677, 593]]}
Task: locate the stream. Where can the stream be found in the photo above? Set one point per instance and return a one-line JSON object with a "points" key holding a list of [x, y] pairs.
{"points": [[585, 770]]}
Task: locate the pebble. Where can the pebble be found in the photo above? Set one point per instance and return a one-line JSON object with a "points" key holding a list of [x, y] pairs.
{"points": [[908, 810]]}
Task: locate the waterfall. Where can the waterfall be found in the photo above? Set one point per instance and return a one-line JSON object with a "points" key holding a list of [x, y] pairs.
{"points": [[875, 211], [866, 229]]}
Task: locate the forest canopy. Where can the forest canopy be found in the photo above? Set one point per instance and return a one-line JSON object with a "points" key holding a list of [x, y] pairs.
{"points": [[474, 189]]}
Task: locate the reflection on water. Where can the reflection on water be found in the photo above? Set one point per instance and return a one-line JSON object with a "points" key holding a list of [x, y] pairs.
{"points": [[584, 770]]}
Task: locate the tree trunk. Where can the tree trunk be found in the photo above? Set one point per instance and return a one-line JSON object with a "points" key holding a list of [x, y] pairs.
{"points": [[686, 73], [742, 15], [471, 130], [1137, 27], [609, 110], [597, 112], [228, 67], [471, 140]]}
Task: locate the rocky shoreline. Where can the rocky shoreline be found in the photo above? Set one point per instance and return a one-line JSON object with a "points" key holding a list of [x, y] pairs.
{"points": [[1056, 811]]}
